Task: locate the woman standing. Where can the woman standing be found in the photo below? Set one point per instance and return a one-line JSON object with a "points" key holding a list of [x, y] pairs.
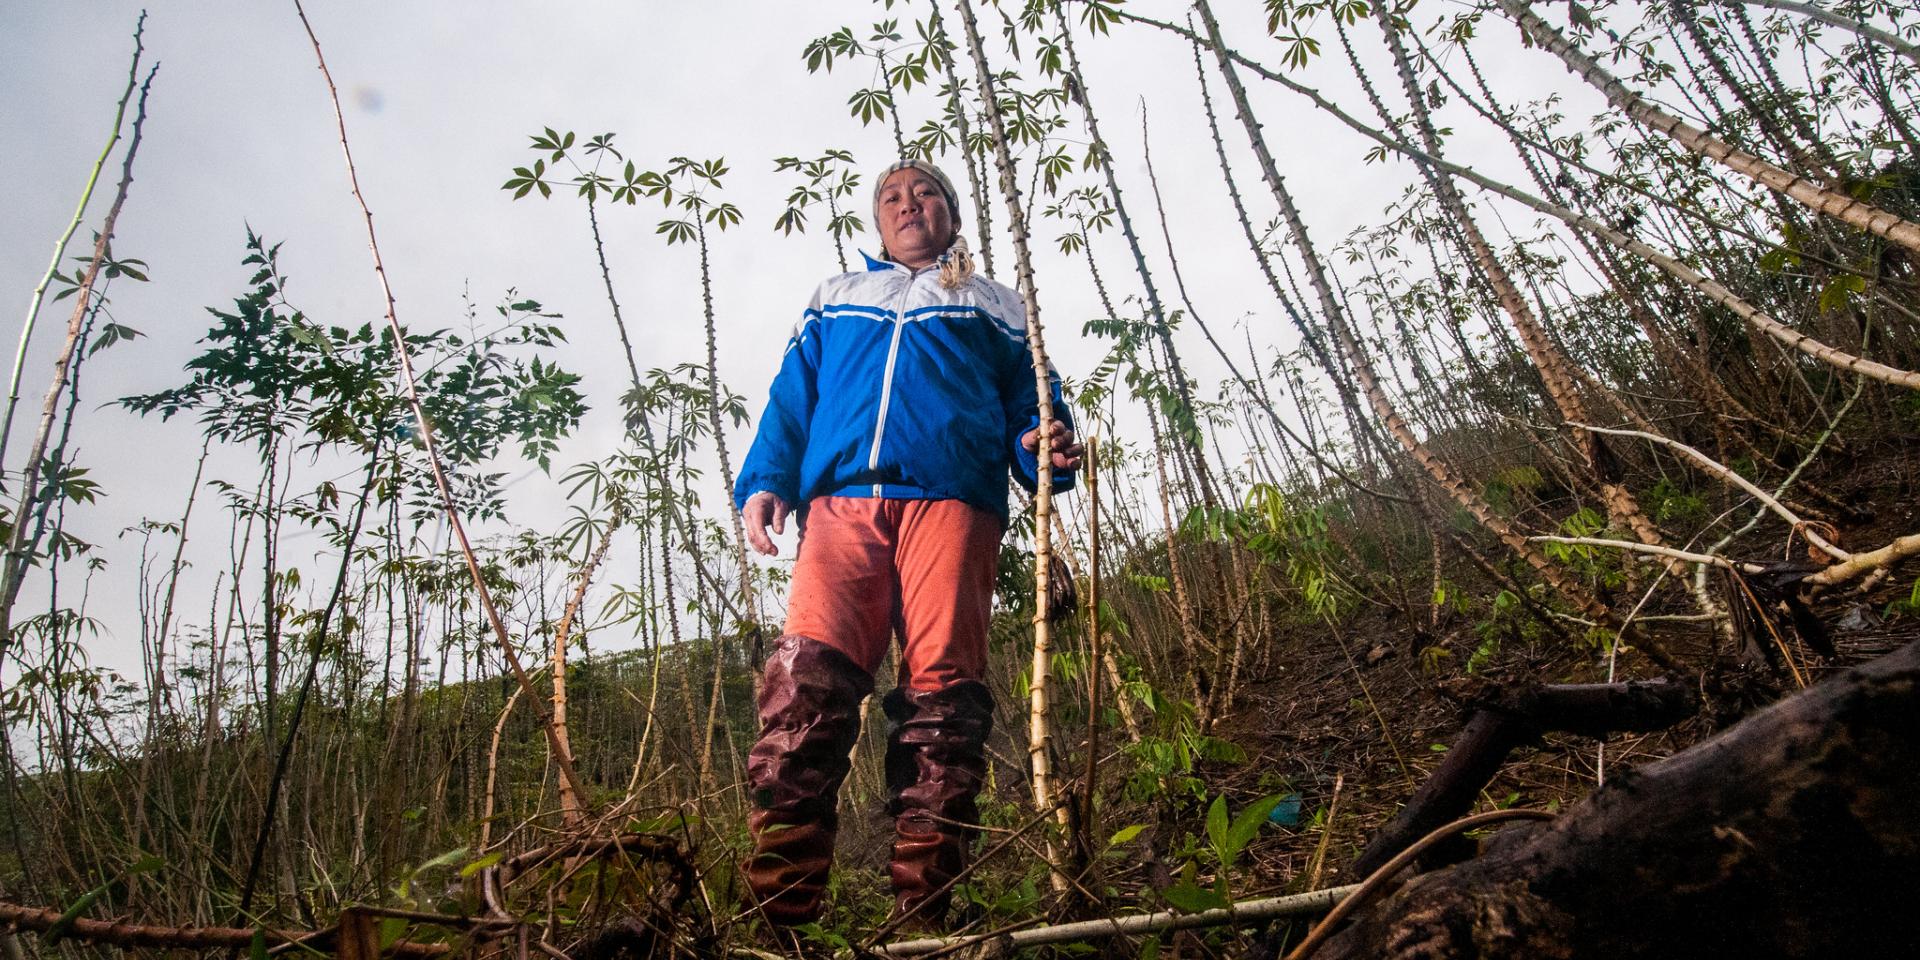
{"points": [[905, 397]]}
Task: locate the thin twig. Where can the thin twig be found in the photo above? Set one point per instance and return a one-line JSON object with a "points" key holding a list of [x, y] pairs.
{"points": [[1246, 911], [563, 758], [1728, 475], [1647, 548]]}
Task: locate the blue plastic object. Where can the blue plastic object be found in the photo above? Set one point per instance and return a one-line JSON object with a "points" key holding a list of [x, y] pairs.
{"points": [[1286, 813]]}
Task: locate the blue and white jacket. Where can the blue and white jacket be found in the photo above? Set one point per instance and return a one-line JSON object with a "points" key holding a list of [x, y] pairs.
{"points": [[893, 386]]}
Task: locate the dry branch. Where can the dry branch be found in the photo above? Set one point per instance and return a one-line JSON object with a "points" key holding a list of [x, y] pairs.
{"points": [[1671, 553], [1726, 474], [1243, 913], [1854, 213], [1509, 717], [121, 934], [1860, 563], [1793, 834], [556, 736]]}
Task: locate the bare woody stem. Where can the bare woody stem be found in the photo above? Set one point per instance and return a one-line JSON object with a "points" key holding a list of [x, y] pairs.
{"points": [[1707, 286], [1860, 563], [1094, 649], [556, 737], [18, 558], [1162, 330], [1671, 553], [1556, 371], [60, 246], [1867, 30], [1362, 368], [1854, 213], [640, 423], [571, 804], [752, 606], [1039, 731], [1307, 335], [957, 104]]}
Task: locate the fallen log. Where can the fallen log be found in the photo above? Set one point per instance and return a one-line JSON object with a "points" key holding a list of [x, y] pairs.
{"points": [[137, 935], [351, 936], [1794, 834], [1506, 717]]}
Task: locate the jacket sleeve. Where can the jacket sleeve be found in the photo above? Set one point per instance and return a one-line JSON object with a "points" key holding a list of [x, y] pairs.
{"points": [[1022, 405], [773, 462]]}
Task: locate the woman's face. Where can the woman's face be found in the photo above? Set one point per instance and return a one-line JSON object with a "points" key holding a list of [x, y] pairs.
{"points": [[915, 224]]}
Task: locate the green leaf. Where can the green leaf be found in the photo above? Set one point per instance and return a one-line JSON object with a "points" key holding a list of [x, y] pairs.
{"points": [[1246, 826], [1839, 291], [1127, 833], [1216, 750], [391, 930], [1193, 898], [1217, 823], [61, 926], [467, 872]]}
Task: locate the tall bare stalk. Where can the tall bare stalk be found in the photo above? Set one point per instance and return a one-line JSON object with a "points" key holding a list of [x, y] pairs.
{"points": [[1039, 725], [1833, 203], [1185, 442], [555, 735], [60, 245], [572, 805], [1362, 368], [1556, 371], [19, 552]]}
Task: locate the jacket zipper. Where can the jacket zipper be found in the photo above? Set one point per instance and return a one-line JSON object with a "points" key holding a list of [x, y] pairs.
{"points": [[886, 380]]}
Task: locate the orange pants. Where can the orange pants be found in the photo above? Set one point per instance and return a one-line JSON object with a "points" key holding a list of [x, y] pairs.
{"points": [[869, 567]]}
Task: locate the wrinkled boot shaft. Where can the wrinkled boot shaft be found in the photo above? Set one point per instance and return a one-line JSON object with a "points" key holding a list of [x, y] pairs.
{"points": [[936, 765], [809, 719], [936, 750]]}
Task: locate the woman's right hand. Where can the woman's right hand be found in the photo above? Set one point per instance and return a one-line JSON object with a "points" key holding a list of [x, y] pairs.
{"points": [[761, 510]]}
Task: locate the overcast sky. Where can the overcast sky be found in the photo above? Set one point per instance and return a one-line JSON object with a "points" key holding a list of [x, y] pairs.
{"points": [[440, 98]]}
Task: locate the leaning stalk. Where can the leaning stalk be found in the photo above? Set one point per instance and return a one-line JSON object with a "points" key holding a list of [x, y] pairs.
{"points": [[14, 571], [1039, 730], [556, 737], [1833, 203], [60, 246]]}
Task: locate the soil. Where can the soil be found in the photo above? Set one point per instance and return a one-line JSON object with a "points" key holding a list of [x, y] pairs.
{"points": [[1353, 718]]}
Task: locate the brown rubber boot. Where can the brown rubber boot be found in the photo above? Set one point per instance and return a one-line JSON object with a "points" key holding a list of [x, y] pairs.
{"points": [[809, 718], [925, 858], [936, 763]]}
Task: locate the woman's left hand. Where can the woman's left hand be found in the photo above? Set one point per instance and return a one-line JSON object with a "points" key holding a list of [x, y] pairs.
{"points": [[1067, 451]]}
